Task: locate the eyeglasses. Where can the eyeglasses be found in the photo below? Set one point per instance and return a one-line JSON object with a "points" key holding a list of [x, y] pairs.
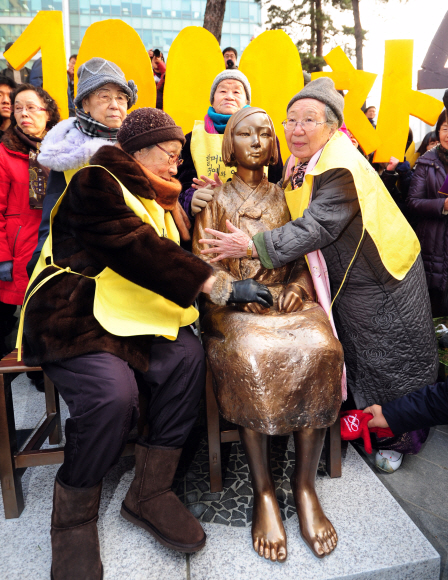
{"points": [[106, 96], [173, 159], [307, 124], [30, 107]]}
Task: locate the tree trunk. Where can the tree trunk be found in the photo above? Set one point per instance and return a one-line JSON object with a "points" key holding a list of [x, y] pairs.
{"points": [[319, 29], [214, 17], [358, 35], [313, 29]]}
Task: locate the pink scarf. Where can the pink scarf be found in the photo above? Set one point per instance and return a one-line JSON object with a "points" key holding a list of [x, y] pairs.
{"points": [[318, 267]]}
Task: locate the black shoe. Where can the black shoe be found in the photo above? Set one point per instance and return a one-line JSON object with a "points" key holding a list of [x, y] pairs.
{"points": [[37, 378]]}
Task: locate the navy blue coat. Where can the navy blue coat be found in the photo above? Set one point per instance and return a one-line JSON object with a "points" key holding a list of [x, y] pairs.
{"points": [[427, 407]]}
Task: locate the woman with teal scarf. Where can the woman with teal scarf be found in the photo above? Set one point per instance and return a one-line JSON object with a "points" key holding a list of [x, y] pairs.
{"points": [[203, 167]]}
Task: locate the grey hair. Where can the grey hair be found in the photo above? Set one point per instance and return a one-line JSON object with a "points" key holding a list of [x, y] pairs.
{"points": [[330, 117]]}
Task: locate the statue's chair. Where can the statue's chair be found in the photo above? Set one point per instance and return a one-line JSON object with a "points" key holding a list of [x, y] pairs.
{"points": [[216, 437]]}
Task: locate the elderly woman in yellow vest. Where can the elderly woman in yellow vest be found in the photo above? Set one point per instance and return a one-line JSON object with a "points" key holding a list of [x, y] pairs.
{"points": [[346, 223], [203, 169], [109, 307]]}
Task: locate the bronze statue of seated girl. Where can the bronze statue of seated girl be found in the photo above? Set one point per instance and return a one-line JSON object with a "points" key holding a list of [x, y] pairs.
{"points": [[275, 370]]}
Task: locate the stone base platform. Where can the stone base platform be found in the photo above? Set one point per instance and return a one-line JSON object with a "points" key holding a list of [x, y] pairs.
{"points": [[377, 540]]}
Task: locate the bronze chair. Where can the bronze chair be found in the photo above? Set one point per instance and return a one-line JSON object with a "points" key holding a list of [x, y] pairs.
{"points": [[216, 437], [15, 461]]}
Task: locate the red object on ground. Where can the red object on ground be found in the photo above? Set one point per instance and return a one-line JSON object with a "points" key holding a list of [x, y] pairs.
{"points": [[354, 426]]}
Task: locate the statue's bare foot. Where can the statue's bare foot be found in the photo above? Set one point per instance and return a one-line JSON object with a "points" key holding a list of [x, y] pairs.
{"points": [[268, 533], [315, 528]]}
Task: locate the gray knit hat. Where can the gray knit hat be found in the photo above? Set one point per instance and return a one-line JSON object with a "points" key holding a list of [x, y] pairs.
{"points": [[230, 74], [322, 89], [96, 73]]}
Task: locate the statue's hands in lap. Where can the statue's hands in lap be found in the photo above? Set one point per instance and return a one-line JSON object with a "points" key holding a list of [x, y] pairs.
{"points": [[250, 291], [291, 299], [254, 308]]}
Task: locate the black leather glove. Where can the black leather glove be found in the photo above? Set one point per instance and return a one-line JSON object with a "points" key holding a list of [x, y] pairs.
{"points": [[244, 291]]}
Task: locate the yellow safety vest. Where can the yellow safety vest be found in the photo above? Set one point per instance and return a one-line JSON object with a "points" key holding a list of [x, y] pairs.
{"points": [[206, 151], [120, 306], [395, 240]]}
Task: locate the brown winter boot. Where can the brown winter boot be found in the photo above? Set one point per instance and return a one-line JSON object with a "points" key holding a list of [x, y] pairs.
{"points": [[152, 505], [74, 535]]}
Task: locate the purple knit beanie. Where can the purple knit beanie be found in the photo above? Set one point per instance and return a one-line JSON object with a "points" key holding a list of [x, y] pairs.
{"points": [[145, 127]]}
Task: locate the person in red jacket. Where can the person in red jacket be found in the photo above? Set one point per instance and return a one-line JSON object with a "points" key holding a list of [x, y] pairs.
{"points": [[22, 188]]}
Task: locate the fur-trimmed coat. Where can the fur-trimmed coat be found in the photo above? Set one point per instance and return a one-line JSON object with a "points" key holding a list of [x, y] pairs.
{"points": [[64, 147], [94, 229], [19, 223]]}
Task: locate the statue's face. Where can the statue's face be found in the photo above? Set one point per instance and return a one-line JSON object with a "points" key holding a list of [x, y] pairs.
{"points": [[252, 141]]}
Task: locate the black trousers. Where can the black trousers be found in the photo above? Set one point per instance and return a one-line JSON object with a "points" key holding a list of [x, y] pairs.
{"points": [[101, 392]]}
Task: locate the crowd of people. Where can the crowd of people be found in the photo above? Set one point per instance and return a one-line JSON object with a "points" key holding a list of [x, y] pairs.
{"points": [[99, 214]]}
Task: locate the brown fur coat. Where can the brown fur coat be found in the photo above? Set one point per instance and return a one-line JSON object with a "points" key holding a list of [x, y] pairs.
{"points": [[94, 229]]}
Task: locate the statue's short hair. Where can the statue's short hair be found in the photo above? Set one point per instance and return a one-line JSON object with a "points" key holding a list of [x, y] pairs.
{"points": [[228, 156]]}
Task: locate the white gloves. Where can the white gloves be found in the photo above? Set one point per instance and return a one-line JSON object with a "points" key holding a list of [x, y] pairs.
{"points": [[200, 199]]}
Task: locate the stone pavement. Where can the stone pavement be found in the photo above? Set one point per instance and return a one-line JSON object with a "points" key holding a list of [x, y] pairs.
{"points": [[377, 539]]}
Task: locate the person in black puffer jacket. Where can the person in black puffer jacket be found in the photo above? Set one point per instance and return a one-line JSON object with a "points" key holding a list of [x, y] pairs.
{"points": [[431, 209]]}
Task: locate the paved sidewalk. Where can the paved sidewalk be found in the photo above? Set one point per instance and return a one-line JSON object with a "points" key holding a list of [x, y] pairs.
{"points": [[420, 486]]}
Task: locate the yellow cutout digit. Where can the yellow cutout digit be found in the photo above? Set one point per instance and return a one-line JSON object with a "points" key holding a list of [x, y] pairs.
{"points": [[45, 33], [258, 62], [398, 101], [118, 42], [187, 89]]}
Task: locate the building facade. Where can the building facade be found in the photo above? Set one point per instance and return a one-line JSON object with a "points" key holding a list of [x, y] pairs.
{"points": [[157, 21]]}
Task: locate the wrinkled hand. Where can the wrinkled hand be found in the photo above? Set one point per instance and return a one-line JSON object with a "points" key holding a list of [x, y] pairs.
{"points": [[393, 162], [246, 291], [233, 245], [291, 299], [6, 271], [254, 308], [206, 182], [445, 204], [379, 420], [201, 197]]}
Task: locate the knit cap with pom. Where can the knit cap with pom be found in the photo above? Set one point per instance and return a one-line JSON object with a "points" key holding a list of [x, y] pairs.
{"points": [[145, 127]]}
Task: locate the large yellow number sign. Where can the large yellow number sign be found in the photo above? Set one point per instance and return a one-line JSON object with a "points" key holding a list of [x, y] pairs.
{"points": [[45, 33], [186, 96], [118, 42], [187, 88]]}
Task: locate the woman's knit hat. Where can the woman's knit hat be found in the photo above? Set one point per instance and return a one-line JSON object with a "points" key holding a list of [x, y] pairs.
{"points": [[230, 74], [322, 89], [145, 127], [96, 73]]}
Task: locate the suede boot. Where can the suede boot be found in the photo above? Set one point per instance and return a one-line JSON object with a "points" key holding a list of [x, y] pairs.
{"points": [[74, 535], [152, 505]]}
